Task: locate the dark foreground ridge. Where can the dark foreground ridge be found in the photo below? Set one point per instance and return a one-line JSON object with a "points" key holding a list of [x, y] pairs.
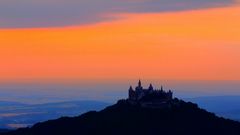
{"points": [[146, 112], [124, 118]]}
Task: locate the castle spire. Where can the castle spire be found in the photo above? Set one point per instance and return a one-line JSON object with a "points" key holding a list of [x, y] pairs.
{"points": [[139, 87], [150, 87], [139, 83], [161, 88], [131, 88]]}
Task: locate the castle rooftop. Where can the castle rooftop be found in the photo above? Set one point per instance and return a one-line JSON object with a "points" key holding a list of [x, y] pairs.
{"points": [[149, 95]]}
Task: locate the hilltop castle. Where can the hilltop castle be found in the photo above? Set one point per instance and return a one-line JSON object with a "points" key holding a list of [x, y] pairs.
{"points": [[150, 94]]}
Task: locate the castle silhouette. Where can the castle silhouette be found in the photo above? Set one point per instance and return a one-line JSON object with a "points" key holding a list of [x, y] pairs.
{"points": [[149, 95]]}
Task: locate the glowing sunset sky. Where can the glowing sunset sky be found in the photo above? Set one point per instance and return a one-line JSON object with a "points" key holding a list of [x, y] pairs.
{"points": [[179, 41]]}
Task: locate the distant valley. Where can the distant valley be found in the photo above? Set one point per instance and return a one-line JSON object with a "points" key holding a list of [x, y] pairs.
{"points": [[15, 115], [225, 106]]}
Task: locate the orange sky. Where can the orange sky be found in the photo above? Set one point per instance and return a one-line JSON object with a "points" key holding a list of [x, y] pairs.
{"points": [[187, 45]]}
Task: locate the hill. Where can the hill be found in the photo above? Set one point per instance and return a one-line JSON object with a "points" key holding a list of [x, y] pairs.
{"points": [[175, 118]]}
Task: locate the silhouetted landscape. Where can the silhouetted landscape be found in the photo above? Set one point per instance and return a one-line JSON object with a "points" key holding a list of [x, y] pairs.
{"points": [[16, 115], [179, 118], [66, 67], [147, 111]]}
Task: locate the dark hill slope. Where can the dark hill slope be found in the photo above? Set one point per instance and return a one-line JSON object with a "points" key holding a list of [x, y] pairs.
{"points": [[178, 118]]}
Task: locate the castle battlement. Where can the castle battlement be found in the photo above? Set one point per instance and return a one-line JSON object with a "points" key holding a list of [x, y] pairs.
{"points": [[140, 94]]}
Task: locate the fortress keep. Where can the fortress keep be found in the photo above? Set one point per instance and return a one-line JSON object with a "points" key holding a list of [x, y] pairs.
{"points": [[149, 94]]}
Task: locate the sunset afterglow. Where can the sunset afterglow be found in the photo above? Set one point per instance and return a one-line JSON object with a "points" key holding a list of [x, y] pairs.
{"points": [[198, 44], [165, 66]]}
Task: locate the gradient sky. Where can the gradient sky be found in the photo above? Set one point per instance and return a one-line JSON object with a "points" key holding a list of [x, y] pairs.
{"points": [[191, 44], [111, 39]]}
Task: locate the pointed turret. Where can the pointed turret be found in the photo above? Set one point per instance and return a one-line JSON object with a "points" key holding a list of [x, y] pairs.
{"points": [[161, 88], [130, 88], [131, 94], [139, 87], [150, 88], [139, 83]]}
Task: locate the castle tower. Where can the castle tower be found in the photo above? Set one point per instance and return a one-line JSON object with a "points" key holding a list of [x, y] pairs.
{"points": [[139, 87], [131, 93], [150, 88], [130, 89], [139, 83]]}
